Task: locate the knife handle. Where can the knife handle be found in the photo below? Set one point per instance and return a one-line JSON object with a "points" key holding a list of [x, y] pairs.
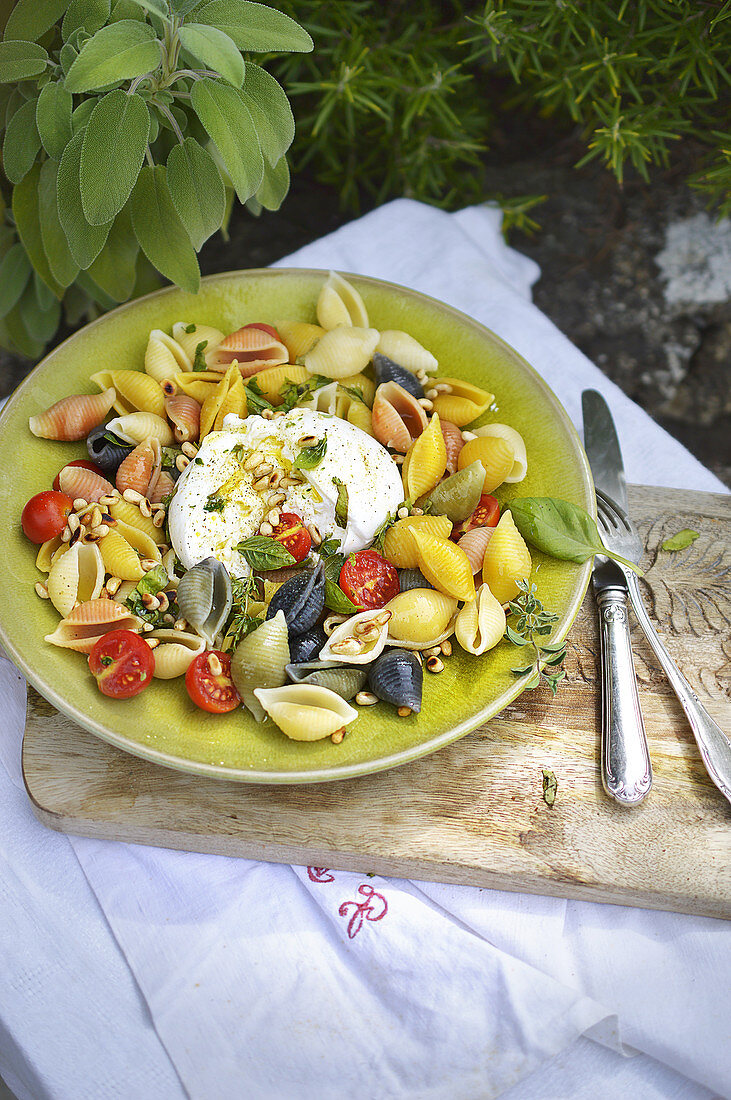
{"points": [[626, 768]]}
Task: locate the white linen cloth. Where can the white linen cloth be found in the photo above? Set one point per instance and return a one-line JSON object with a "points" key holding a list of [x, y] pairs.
{"points": [[132, 972]]}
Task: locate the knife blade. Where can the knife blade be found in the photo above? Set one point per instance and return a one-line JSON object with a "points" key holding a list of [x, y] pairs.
{"points": [[626, 767]]}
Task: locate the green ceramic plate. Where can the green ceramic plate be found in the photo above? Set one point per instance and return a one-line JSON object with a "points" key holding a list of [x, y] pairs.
{"points": [[162, 724]]}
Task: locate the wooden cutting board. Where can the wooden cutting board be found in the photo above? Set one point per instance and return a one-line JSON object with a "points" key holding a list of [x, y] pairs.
{"points": [[473, 813]]}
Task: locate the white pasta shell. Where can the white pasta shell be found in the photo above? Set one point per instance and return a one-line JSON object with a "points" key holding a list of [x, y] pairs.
{"points": [[513, 439], [306, 712], [369, 629], [138, 426], [340, 303], [342, 351], [481, 623], [176, 652], [75, 577], [163, 357], [406, 351], [324, 400], [189, 341], [259, 661]]}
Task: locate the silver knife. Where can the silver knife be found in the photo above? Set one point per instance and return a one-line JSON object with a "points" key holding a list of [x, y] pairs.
{"points": [[626, 767]]}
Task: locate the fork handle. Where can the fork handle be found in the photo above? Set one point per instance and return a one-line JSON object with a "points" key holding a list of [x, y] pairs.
{"points": [[626, 768], [714, 745]]}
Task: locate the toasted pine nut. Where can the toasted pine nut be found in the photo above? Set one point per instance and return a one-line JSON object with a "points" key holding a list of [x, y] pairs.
{"points": [[431, 394], [153, 642], [147, 627], [148, 564], [163, 601], [417, 511], [100, 530], [426, 404], [266, 529], [214, 664], [315, 535], [77, 535], [442, 387], [158, 518], [145, 508], [255, 459], [112, 585], [170, 619], [337, 737], [402, 513], [275, 499], [66, 534], [168, 387], [289, 480], [109, 500], [80, 505], [132, 496], [41, 590], [189, 449], [261, 484], [398, 459], [151, 602], [349, 647], [403, 712], [267, 414], [434, 664], [273, 517], [263, 469], [274, 479], [180, 624], [366, 699], [182, 462], [307, 441], [432, 651], [446, 648], [73, 522]]}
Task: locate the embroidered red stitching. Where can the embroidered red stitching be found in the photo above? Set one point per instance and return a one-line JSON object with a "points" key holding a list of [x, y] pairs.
{"points": [[320, 874], [364, 910]]}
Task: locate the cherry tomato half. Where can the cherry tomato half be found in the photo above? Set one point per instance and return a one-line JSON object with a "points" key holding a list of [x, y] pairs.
{"points": [[369, 580], [45, 515], [265, 328], [293, 535], [122, 663], [209, 688], [486, 514], [77, 462]]}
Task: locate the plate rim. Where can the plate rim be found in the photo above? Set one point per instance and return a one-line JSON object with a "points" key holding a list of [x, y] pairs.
{"points": [[346, 771]]}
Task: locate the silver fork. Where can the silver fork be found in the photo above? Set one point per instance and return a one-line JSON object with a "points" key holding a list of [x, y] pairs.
{"points": [[620, 536]]}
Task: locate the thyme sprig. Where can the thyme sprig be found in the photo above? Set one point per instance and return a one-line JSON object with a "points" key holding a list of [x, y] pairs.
{"points": [[530, 622], [240, 622]]}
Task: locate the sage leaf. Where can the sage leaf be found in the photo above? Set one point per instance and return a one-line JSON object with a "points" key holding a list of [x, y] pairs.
{"points": [[182, 7], [80, 115], [60, 260], [119, 51], [196, 189], [263, 553], [681, 541], [89, 14], [53, 118], [27, 222], [39, 323], [17, 336], [550, 786], [228, 123], [30, 19], [20, 61], [309, 457], [163, 237], [22, 142], [337, 601], [126, 9], [274, 186], [115, 268], [561, 529], [15, 271], [215, 49], [155, 7], [67, 56], [44, 296], [95, 292], [112, 154], [255, 27], [270, 111], [341, 506], [85, 241]]}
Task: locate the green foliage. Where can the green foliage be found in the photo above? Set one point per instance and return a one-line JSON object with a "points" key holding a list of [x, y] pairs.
{"points": [[402, 99], [128, 127]]}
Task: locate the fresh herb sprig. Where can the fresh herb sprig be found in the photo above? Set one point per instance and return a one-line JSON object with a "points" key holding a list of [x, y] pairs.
{"points": [[531, 622], [240, 622], [214, 503], [256, 402], [332, 560], [293, 392], [153, 582]]}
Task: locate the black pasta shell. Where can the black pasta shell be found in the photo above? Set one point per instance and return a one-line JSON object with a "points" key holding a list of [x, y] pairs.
{"points": [[396, 677], [301, 598], [305, 647], [108, 456], [412, 578], [388, 371]]}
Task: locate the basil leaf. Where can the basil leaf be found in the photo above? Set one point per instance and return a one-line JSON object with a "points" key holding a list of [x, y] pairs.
{"points": [[255, 400], [561, 529], [337, 601], [214, 504], [550, 786], [309, 457], [263, 553], [341, 507], [332, 564], [199, 359], [328, 548], [681, 541], [154, 581]]}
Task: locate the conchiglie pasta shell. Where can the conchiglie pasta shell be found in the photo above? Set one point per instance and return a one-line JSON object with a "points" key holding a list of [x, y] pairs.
{"points": [[474, 543], [516, 442], [189, 341], [229, 396], [184, 413], [46, 550], [496, 456], [271, 380], [360, 416], [464, 404], [406, 351], [139, 540], [507, 560], [459, 494], [176, 652], [120, 560], [298, 337], [367, 628], [420, 615], [164, 486], [73, 417], [135, 391], [444, 565], [342, 351], [453, 443], [88, 622], [75, 577], [339, 303], [398, 418], [428, 460], [80, 483], [398, 546], [131, 516], [305, 712], [259, 662], [251, 348], [480, 624], [199, 385], [136, 470], [361, 382], [162, 362], [136, 427]]}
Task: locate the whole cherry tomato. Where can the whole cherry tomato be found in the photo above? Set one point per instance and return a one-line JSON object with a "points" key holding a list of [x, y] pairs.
{"points": [[78, 462], [293, 535], [486, 514], [368, 580], [265, 328], [45, 514], [209, 683], [122, 664]]}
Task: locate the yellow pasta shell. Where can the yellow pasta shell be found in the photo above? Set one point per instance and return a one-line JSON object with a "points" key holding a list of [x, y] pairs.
{"points": [[419, 615], [163, 357], [444, 564], [136, 391], [363, 383], [271, 379], [120, 560], [214, 402], [399, 547], [495, 455], [360, 415], [75, 577], [298, 337], [140, 541], [131, 516], [339, 303], [189, 341], [480, 624], [507, 560], [46, 551], [427, 460], [342, 351], [464, 404], [199, 384]]}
